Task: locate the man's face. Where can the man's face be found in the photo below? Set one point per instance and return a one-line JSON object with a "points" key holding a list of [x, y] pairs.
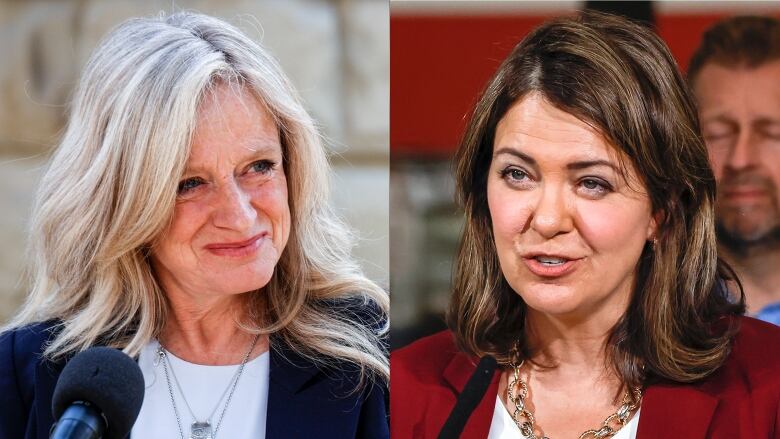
{"points": [[740, 116]]}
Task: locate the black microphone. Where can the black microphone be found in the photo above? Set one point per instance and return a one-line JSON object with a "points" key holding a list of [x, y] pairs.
{"points": [[98, 395], [469, 398]]}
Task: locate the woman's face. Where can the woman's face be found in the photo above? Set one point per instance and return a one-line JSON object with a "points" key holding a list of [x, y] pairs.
{"points": [[568, 228], [232, 219]]}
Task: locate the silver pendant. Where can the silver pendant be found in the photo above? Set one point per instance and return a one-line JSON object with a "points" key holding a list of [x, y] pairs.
{"points": [[159, 355], [200, 430]]}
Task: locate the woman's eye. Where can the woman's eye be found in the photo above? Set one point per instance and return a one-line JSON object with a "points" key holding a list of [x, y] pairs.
{"points": [[186, 186], [591, 184], [263, 166], [594, 186], [514, 174]]}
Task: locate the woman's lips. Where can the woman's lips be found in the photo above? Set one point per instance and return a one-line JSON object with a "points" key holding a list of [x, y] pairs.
{"points": [[237, 249], [550, 270]]}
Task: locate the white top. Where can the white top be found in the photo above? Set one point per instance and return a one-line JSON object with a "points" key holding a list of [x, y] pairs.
{"points": [[203, 386], [503, 426]]}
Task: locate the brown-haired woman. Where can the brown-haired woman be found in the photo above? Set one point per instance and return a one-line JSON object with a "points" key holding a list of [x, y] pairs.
{"points": [[588, 268]]}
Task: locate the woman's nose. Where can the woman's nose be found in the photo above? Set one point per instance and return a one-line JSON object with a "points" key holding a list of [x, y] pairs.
{"points": [[234, 209], [552, 213]]}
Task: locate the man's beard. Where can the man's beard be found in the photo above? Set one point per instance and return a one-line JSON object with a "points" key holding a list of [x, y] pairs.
{"points": [[759, 228], [741, 245]]}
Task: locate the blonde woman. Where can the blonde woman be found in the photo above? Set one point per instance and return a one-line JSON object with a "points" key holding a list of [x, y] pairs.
{"points": [[184, 219]]}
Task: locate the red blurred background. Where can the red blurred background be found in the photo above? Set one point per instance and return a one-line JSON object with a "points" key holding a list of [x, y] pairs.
{"points": [[440, 61]]}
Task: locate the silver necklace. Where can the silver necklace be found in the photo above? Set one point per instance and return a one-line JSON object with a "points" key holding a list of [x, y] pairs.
{"points": [[201, 429]]}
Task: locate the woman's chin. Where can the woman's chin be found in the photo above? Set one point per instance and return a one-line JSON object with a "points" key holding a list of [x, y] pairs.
{"points": [[242, 275], [241, 281], [552, 300]]}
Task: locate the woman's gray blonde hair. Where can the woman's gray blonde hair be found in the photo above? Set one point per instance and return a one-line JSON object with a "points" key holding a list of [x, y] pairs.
{"points": [[110, 190]]}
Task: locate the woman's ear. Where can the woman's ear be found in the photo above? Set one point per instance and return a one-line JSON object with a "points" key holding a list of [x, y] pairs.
{"points": [[655, 224]]}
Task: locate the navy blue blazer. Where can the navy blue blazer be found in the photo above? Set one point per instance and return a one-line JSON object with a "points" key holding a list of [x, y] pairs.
{"points": [[303, 400]]}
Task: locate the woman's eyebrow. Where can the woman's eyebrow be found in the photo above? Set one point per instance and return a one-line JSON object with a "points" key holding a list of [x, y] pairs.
{"points": [[516, 153], [254, 150], [591, 163], [577, 165], [262, 142], [261, 147]]}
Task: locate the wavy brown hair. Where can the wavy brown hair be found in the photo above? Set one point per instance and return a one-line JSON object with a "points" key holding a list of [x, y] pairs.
{"points": [[619, 77]]}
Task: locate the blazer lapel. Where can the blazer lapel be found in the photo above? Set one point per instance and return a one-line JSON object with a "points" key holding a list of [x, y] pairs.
{"points": [[675, 411], [457, 373], [288, 412], [305, 401]]}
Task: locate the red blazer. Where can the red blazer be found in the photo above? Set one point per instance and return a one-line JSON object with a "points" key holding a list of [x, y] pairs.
{"points": [[740, 400]]}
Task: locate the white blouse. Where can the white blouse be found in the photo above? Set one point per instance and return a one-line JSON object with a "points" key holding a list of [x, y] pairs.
{"points": [[503, 426], [203, 386]]}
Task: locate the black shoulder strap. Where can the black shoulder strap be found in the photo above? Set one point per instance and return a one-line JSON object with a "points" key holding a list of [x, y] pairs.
{"points": [[469, 398]]}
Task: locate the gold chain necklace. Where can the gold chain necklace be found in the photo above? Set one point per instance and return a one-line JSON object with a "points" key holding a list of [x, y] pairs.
{"points": [[609, 427]]}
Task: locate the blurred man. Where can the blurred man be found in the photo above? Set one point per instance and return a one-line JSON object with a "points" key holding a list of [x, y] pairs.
{"points": [[735, 75]]}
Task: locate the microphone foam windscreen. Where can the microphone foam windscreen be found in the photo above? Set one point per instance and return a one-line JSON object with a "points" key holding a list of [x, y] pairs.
{"points": [[107, 378]]}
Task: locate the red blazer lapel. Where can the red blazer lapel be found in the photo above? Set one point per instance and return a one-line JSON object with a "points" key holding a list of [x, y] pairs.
{"points": [[456, 374], [670, 411]]}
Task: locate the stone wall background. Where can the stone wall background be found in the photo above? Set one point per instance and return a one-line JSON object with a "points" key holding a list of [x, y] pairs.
{"points": [[335, 51]]}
